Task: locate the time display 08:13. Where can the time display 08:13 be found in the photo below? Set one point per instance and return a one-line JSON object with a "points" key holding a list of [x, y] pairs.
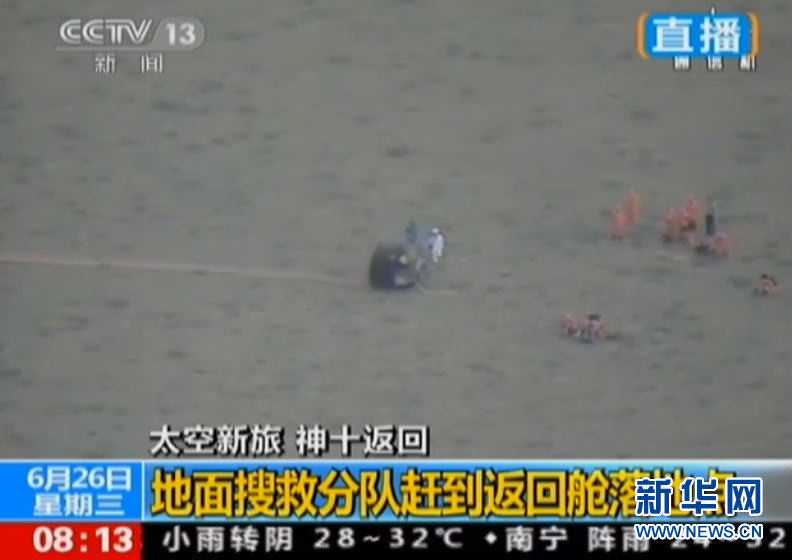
{"points": [[117, 539]]}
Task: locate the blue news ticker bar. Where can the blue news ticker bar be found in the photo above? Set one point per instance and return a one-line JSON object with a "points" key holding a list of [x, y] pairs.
{"points": [[71, 491], [694, 22], [18, 499]]}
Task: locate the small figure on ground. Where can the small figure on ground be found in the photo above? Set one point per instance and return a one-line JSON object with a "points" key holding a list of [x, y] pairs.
{"points": [[633, 209], [626, 215], [673, 227], [720, 245], [682, 222], [411, 233], [710, 221], [768, 286], [723, 244], [691, 214], [435, 243], [570, 325], [619, 225], [591, 329]]}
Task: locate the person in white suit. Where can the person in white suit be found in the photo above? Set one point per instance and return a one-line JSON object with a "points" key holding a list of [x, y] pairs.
{"points": [[435, 243]]}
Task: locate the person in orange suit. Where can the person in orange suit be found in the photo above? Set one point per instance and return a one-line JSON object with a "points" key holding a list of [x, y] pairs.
{"points": [[633, 209], [673, 227], [691, 214], [619, 224], [768, 286], [570, 325], [720, 245], [723, 244], [593, 329]]}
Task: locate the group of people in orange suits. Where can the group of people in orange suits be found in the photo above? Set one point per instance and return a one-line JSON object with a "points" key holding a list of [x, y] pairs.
{"points": [[681, 225], [590, 329], [682, 222]]}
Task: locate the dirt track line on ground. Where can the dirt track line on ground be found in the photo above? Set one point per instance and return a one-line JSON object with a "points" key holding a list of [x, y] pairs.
{"points": [[189, 268]]}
